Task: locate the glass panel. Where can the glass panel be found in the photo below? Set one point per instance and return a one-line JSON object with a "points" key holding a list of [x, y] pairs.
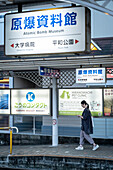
{"points": [[4, 121], [24, 123], [38, 124]]}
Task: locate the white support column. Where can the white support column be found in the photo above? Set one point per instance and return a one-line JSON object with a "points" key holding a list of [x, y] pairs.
{"points": [[34, 125], [11, 116], [54, 118], [11, 82]]}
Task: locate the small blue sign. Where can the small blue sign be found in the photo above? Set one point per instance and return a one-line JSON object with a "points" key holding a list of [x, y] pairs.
{"points": [[44, 71]]}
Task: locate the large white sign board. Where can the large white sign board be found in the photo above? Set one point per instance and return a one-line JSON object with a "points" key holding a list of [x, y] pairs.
{"points": [[46, 32], [30, 102]]}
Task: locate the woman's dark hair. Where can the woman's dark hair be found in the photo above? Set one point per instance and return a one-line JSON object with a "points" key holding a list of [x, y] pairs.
{"points": [[84, 102]]}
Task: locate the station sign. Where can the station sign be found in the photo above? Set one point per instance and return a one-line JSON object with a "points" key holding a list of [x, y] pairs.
{"points": [[49, 72], [30, 102], [63, 30], [90, 75]]}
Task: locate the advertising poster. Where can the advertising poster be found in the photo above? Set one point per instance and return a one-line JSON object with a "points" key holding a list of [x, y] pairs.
{"points": [[70, 101], [4, 101], [109, 73], [108, 102], [30, 102]]}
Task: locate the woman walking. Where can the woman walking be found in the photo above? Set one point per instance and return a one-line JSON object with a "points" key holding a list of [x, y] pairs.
{"points": [[86, 128]]}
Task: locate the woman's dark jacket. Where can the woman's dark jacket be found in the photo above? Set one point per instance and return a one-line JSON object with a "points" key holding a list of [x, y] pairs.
{"points": [[87, 122]]}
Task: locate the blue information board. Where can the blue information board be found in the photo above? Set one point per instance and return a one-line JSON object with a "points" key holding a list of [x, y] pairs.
{"points": [[49, 72]]}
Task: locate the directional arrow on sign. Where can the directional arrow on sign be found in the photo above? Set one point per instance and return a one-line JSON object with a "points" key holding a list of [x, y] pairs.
{"points": [[12, 45], [76, 41]]}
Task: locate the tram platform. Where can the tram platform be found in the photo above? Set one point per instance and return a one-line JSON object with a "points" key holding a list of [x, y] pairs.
{"points": [[63, 156]]}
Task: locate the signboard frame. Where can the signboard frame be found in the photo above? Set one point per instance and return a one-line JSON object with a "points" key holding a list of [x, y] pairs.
{"points": [[80, 112], [87, 36], [22, 114], [83, 77]]}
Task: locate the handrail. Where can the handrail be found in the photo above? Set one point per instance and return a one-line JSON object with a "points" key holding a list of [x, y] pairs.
{"points": [[10, 128]]}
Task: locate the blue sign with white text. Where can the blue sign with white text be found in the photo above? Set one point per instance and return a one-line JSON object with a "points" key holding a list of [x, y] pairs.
{"points": [[44, 71]]}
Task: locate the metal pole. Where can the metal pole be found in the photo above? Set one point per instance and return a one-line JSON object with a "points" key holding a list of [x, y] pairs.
{"points": [[54, 118], [34, 125], [11, 85], [20, 8], [11, 142]]}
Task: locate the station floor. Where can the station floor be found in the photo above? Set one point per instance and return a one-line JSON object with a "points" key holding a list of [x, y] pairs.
{"points": [[105, 152]]}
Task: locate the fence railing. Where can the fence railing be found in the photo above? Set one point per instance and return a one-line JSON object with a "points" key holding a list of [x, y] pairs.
{"points": [[10, 128]]}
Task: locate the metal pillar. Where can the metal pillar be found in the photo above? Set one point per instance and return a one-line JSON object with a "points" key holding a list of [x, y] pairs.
{"points": [[20, 8], [54, 118], [34, 125], [11, 85]]}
